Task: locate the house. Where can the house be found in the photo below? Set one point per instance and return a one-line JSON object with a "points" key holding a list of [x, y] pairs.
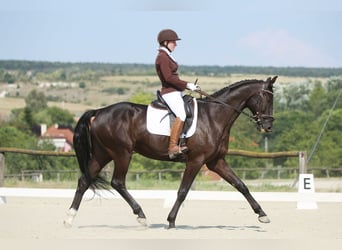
{"points": [[60, 136]]}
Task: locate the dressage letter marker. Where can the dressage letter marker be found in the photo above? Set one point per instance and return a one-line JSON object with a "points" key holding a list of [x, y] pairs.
{"points": [[3, 200], [306, 192]]}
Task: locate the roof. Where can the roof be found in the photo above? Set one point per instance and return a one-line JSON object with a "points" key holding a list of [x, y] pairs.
{"points": [[55, 132]]}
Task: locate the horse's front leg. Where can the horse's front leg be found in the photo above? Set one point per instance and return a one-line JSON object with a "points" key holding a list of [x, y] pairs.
{"points": [[221, 168], [187, 180]]}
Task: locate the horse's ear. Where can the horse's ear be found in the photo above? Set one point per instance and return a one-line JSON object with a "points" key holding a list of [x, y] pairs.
{"points": [[273, 79], [270, 81]]}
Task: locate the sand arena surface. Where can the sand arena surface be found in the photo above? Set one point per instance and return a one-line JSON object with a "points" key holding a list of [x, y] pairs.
{"points": [[37, 223], [107, 218]]}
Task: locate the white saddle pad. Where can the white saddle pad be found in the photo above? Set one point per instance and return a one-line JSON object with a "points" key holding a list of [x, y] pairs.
{"points": [[158, 122]]}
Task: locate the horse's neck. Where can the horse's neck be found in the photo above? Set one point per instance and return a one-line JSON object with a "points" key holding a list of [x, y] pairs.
{"points": [[239, 96]]}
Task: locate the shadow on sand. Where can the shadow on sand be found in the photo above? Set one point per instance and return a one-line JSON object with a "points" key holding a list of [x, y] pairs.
{"points": [[178, 227]]}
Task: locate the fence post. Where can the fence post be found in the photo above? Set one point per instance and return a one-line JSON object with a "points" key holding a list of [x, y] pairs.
{"points": [[244, 174], [278, 172], [302, 162], [2, 169]]}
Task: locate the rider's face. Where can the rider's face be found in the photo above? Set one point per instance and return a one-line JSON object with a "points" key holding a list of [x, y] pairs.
{"points": [[172, 45]]}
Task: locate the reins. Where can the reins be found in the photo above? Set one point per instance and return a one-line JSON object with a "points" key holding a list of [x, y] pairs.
{"points": [[201, 92]]}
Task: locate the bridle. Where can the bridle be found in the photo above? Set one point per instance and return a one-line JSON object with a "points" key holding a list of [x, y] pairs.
{"points": [[258, 117]]}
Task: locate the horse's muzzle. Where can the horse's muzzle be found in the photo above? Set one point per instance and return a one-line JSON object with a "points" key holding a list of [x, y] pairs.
{"points": [[265, 123]]}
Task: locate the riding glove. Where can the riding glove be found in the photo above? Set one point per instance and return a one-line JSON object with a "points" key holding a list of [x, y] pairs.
{"points": [[192, 86]]}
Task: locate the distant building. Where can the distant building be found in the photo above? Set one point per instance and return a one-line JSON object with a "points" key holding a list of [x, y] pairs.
{"points": [[60, 136]]}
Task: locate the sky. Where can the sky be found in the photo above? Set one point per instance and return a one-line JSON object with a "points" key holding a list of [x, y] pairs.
{"points": [[278, 33]]}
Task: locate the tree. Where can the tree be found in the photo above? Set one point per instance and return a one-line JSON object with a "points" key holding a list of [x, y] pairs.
{"points": [[19, 119], [318, 101], [54, 115], [36, 101], [293, 97], [12, 137], [60, 116], [82, 85], [28, 117], [328, 152], [9, 78]]}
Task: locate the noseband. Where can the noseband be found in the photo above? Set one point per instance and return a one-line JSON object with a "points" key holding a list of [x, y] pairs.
{"points": [[258, 117]]}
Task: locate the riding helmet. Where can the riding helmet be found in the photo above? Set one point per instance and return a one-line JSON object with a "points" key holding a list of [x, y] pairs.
{"points": [[167, 35]]}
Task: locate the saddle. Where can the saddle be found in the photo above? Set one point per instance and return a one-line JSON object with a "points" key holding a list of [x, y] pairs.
{"points": [[160, 103]]}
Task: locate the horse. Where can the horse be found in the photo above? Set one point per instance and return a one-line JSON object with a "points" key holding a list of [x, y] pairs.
{"points": [[115, 132]]}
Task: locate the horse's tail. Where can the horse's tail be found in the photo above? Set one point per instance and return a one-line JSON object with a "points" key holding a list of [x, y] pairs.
{"points": [[83, 149]]}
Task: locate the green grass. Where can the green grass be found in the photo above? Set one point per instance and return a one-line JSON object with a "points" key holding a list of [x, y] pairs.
{"points": [[44, 184]]}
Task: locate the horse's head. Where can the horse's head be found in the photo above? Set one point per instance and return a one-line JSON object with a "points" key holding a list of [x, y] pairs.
{"points": [[261, 105]]}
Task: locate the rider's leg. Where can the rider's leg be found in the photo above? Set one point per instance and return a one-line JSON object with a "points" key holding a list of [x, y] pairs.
{"points": [[176, 104], [176, 130]]}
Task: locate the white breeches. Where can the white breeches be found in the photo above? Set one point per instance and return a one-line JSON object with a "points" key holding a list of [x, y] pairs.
{"points": [[176, 103]]}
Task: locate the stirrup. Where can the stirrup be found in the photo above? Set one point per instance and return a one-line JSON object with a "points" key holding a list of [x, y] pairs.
{"points": [[173, 155]]}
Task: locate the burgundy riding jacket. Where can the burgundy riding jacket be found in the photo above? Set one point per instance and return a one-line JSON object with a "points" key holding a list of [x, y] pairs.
{"points": [[166, 69]]}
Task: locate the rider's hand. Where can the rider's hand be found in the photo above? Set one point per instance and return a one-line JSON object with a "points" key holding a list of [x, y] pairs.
{"points": [[192, 86]]}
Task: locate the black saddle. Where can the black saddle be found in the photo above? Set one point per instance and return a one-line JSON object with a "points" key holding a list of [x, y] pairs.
{"points": [[160, 103]]}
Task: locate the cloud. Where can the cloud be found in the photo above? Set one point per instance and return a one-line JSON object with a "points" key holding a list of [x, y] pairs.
{"points": [[279, 48]]}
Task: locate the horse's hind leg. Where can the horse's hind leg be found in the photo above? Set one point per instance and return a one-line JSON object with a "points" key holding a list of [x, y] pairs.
{"points": [[119, 184], [82, 186], [221, 168]]}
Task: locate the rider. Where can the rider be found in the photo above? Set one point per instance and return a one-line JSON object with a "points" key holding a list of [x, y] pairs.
{"points": [[172, 87]]}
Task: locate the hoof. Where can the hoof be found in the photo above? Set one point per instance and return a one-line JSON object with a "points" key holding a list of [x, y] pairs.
{"points": [[264, 219], [70, 217], [172, 226], [142, 221], [67, 223]]}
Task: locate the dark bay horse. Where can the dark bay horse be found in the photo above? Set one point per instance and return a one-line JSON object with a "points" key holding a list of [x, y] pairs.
{"points": [[115, 132]]}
